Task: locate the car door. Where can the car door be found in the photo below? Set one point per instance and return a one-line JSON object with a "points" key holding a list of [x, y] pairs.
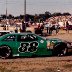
{"points": [[27, 44]]}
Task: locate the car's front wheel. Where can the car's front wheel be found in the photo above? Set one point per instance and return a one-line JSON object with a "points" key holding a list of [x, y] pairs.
{"points": [[60, 49], [5, 52]]}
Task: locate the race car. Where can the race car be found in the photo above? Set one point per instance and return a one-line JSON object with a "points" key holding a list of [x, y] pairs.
{"points": [[29, 44]]}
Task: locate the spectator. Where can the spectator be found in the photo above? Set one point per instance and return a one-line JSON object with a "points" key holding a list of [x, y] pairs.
{"points": [[37, 30], [67, 26], [4, 28], [50, 29], [38, 26], [46, 27], [57, 27], [41, 29], [23, 27], [16, 30]]}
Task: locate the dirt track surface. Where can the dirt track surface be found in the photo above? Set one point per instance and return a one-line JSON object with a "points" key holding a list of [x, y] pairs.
{"points": [[44, 64], [62, 35], [40, 64]]}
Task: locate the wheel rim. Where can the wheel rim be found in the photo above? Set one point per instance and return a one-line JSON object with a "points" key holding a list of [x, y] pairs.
{"points": [[5, 52], [64, 51]]}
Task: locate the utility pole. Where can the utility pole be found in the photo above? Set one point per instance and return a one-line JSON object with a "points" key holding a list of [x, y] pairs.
{"points": [[6, 17], [25, 13], [24, 19], [6, 11]]}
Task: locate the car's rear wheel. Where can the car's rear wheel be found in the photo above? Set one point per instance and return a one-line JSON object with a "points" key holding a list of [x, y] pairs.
{"points": [[63, 52], [5, 52], [60, 49]]}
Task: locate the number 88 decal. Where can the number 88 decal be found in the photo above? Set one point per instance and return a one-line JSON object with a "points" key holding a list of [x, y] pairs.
{"points": [[28, 47], [23, 47], [33, 46]]}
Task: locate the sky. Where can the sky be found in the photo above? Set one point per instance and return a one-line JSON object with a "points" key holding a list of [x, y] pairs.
{"points": [[16, 7]]}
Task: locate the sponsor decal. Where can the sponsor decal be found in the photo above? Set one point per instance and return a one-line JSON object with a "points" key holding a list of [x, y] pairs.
{"points": [[41, 41], [16, 55]]}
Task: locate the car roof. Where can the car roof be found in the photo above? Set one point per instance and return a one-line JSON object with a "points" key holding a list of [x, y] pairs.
{"points": [[20, 33], [25, 33]]}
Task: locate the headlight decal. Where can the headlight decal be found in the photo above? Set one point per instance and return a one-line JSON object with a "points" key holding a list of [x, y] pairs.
{"points": [[50, 44], [41, 41]]}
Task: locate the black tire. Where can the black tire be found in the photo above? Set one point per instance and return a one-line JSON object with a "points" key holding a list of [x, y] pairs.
{"points": [[5, 52], [60, 49]]}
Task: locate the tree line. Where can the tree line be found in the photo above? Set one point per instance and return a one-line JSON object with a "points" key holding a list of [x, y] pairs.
{"points": [[36, 17]]}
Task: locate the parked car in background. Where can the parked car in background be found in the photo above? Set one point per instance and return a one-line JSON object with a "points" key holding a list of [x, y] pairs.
{"points": [[3, 32]]}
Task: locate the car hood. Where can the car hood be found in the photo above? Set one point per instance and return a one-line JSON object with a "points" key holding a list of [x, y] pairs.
{"points": [[54, 39]]}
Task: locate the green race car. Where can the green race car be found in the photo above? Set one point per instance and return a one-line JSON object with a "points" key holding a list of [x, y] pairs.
{"points": [[28, 45]]}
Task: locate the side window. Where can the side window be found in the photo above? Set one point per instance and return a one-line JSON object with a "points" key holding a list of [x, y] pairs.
{"points": [[31, 37], [22, 38], [26, 38], [10, 38]]}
